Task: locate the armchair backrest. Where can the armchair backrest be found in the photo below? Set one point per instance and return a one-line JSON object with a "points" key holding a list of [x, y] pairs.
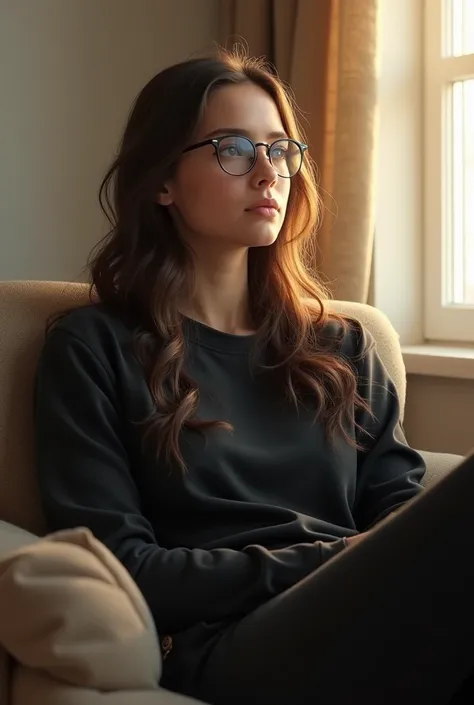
{"points": [[25, 307]]}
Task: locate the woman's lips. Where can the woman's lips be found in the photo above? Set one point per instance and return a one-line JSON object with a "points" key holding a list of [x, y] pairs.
{"points": [[264, 211]]}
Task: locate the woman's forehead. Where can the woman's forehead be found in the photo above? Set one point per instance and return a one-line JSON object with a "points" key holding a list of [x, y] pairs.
{"points": [[244, 107]]}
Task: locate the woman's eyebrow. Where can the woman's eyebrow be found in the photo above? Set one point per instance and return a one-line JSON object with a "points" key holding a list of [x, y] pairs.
{"points": [[239, 131]]}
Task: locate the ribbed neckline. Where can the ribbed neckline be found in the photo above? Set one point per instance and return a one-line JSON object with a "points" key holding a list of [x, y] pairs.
{"points": [[214, 339]]}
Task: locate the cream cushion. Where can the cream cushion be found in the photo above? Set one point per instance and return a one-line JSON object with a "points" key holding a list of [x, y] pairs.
{"points": [[11, 538], [33, 687], [71, 610]]}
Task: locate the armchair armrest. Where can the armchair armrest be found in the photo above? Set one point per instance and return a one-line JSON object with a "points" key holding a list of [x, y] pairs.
{"points": [[438, 465]]}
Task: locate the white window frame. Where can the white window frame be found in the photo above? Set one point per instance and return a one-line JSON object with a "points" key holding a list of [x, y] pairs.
{"points": [[441, 322]]}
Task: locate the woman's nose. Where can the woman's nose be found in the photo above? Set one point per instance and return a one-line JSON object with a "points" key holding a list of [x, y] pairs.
{"points": [[264, 169]]}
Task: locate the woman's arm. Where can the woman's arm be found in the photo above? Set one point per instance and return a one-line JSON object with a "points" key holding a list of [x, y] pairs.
{"points": [[389, 471], [85, 479]]}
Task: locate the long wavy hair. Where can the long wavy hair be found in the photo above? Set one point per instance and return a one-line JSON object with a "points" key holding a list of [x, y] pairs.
{"points": [[142, 266]]}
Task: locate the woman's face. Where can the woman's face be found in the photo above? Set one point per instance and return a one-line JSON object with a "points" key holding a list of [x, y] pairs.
{"points": [[212, 207]]}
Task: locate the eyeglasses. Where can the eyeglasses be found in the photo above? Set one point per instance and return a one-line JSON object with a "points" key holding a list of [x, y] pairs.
{"points": [[237, 155]]}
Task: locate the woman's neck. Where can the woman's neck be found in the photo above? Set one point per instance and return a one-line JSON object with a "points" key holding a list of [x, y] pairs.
{"points": [[221, 297]]}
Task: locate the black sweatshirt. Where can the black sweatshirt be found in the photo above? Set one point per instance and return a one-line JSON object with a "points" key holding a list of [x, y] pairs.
{"points": [[258, 509]]}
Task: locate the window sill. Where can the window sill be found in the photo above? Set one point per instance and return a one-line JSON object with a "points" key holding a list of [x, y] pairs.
{"points": [[439, 360]]}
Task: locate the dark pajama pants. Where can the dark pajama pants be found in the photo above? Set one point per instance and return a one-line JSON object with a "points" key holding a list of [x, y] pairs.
{"points": [[389, 621]]}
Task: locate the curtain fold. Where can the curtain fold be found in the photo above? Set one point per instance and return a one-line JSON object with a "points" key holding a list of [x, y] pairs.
{"points": [[327, 51]]}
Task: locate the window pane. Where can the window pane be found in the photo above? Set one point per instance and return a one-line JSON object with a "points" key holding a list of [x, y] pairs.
{"points": [[461, 15], [462, 194]]}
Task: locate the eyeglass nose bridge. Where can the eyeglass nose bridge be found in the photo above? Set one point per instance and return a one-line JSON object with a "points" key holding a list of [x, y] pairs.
{"points": [[267, 150]]}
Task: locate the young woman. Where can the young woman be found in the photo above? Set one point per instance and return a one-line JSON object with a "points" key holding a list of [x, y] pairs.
{"points": [[229, 440]]}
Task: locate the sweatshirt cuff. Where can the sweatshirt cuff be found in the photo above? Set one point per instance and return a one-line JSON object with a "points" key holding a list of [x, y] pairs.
{"points": [[328, 550]]}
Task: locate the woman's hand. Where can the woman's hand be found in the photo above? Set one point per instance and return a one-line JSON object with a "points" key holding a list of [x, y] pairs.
{"points": [[352, 540]]}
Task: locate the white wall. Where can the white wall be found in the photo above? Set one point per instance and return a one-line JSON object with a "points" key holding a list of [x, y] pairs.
{"points": [[69, 71]]}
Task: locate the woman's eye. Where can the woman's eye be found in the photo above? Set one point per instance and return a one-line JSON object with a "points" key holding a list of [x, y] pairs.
{"points": [[279, 153], [230, 151]]}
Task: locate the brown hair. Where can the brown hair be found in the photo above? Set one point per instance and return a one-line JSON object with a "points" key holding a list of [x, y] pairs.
{"points": [[142, 265]]}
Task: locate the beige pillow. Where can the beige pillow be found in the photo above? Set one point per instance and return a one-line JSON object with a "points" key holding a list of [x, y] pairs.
{"points": [[67, 606], [11, 538], [33, 687]]}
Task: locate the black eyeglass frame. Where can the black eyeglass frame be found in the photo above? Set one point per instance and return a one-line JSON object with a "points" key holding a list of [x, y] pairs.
{"points": [[215, 141]]}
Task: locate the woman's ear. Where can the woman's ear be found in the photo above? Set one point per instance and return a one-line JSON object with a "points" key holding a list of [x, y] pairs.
{"points": [[164, 197]]}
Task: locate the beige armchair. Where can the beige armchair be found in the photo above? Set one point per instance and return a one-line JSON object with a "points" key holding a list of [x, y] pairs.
{"points": [[60, 645]]}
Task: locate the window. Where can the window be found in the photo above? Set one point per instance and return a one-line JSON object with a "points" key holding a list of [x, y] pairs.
{"points": [[449, 170]]}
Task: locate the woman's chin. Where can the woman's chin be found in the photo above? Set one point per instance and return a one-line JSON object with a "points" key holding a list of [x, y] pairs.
{"points": [[263, 238]]}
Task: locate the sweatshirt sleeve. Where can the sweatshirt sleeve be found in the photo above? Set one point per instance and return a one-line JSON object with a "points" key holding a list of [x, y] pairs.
{"points": [[389, 470], [85, 479]]}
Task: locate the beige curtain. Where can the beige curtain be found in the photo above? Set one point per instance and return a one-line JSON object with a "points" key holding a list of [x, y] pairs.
{"points": [[327, 51]]}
